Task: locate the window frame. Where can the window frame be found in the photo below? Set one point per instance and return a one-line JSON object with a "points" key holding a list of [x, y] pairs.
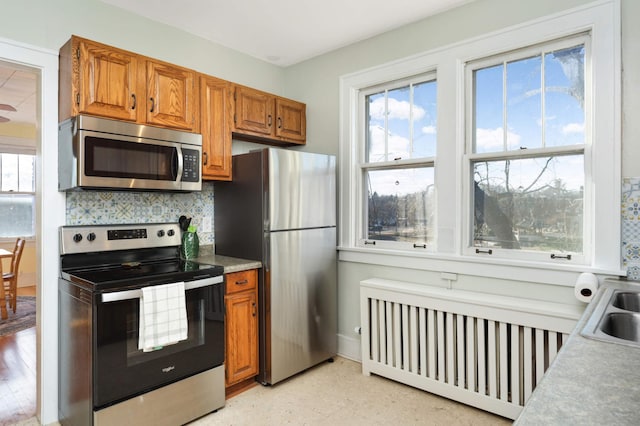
{"points": [[602, 20], [471, 157], [362, 239]]}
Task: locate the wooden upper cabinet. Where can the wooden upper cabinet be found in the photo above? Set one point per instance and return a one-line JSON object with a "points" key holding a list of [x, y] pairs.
{"points": [[291, 120], [97, 80], [254, 111], [172, 96], [101, 80], [267, 117], [215, 121]]}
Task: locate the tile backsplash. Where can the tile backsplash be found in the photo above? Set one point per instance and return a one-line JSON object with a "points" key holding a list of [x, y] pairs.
{"points": [[102, 207], [631, 227]]}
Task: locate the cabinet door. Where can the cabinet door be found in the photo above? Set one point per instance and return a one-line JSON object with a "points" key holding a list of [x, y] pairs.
{"points": [[107, 81], [171, 96], [215, 122], [253, 111], [291, 121], [242, 337]]}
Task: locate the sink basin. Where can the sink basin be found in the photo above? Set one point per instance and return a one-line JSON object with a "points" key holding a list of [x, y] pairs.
{"points": [[627, 300], [622, 325], [615, 318]]}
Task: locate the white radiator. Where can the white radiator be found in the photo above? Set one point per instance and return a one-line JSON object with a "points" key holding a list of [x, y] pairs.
{"points": [[482, 350]]}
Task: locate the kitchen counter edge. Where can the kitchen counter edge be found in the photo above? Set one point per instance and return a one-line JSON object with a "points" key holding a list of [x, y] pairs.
{"points": [[590, 382], [230, 264]]}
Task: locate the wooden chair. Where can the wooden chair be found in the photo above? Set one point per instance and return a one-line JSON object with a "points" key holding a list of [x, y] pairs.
{"points": [[10, 279]]}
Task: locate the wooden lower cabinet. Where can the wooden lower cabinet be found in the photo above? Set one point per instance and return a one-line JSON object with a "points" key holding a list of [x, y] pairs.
{"points": [[241, 323]]}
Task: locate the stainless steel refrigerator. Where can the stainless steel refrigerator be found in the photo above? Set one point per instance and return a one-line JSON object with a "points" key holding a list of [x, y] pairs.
{"points": [[280, 209]]}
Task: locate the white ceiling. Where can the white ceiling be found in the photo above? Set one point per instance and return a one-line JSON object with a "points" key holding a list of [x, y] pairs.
{"points": [[18, 89], [285, 32]]}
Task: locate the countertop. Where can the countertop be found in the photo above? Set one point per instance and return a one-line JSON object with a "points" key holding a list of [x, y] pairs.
{"points": [[590, 382], [230, 264]]}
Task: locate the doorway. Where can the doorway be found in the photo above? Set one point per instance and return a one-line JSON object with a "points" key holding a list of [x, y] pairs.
{"points": [[43, 64], [17, 208]]}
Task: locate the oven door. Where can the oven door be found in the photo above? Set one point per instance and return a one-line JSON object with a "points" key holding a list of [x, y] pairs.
{"points": [[122, 371]]}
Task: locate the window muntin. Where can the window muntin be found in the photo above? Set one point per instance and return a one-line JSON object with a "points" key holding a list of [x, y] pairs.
{"points": [[17, 195], [528, 144], [398, 168]]}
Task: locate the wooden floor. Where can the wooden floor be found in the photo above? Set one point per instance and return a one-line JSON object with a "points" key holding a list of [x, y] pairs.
{"points": [[18, 373]]}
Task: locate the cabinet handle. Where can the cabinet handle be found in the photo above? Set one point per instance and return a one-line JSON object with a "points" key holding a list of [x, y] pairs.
{"points": [[269, 121], [153, 104], [78, 98], [243, 282], [254, 309], [279, 123], [205, 157], [135, 101]]}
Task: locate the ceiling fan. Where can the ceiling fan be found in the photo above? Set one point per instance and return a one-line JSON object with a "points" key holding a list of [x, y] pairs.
{"points": [[6, 107]]}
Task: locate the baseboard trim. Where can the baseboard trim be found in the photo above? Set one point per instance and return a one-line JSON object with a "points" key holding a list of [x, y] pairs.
{"points": [[349, 347]]}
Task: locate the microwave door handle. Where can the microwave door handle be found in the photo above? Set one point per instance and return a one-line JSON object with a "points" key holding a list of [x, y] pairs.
{"points": [[178, 165], [117, 296]]}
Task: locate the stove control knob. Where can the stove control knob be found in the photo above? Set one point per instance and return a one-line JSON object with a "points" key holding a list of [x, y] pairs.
{"points": [[91, 236], [77, 238], [161, 233], [171, 232]]}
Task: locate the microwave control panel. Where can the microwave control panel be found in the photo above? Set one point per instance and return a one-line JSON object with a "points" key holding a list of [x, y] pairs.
{"points": [[191, 165]]}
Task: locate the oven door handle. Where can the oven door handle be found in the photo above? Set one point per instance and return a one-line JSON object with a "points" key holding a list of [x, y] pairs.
{"points": [[117, 296]]}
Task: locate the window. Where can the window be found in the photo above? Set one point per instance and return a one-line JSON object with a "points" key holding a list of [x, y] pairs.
{"points": [[398, 167], [526, 151], [525, 164], [17, 195]]}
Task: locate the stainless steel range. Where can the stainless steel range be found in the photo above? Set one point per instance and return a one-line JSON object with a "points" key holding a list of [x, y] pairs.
{"points": [[107, 376]]}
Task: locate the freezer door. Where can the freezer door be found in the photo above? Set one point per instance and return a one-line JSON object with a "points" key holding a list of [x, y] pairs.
{"points": [[301, 190], [302, 314]]}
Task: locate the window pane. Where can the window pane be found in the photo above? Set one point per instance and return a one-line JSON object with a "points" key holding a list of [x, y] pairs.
{"points": [[524, 103], [488, 110], [401, 123], [529, 204], [17, 213], [401, 204], [398, 119], [564, 97], [376, 140], [26, 178], [9, 172], [424, 120]]}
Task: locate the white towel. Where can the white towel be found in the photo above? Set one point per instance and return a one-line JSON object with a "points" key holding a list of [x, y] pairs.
{"points": [[163, 316]]}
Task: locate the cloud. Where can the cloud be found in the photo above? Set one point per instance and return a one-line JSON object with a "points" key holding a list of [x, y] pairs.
{"points": [[493, 139], [573, 128], [429, 130], [398, 145], [399, 110]]}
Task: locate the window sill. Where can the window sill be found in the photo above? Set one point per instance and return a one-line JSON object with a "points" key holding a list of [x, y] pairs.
{"points": [[563, 275]]}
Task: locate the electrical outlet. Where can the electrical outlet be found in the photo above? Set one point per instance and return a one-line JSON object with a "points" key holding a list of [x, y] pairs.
{"points": [[206, 224]]}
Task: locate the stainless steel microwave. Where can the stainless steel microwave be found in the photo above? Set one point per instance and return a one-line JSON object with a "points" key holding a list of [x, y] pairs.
{"points": [[98, 153]]}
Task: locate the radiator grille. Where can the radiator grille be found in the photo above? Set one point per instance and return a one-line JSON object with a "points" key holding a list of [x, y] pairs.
{"points": [[492, 361]]}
